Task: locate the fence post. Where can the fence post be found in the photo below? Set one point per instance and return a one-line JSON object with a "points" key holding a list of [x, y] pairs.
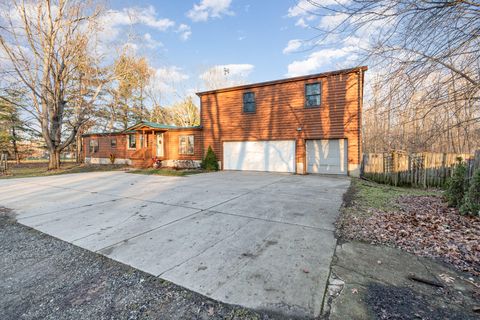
{"points": [[476, 163], [362, 166]]}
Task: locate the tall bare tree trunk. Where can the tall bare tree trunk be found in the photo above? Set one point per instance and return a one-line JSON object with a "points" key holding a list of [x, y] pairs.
{"points": [[78, 150], [15, 146], [54, 160]]}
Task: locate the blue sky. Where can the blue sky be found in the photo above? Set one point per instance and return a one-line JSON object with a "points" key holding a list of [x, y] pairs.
{"points": [[255, 40]]}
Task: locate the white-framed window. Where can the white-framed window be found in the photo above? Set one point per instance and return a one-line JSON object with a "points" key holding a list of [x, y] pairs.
{"points": [[93, 146], [132, 142], [186, 145]]}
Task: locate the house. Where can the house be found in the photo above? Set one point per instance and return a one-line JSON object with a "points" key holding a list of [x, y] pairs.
{"points": [[307, 124]]}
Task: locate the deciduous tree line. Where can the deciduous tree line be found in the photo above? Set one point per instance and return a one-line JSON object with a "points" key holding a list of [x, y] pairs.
{"points": [[55, 80], [423, 87]]}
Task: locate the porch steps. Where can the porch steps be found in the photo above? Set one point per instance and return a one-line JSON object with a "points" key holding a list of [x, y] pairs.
{"points": [[140, 163], [142, 158]]}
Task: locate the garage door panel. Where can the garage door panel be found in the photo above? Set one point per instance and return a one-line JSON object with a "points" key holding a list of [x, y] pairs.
{"points": [[327, 156], [274, 156]]}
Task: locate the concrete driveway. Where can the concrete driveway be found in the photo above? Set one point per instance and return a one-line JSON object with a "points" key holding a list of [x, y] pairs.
{"points": [[260, 240]]}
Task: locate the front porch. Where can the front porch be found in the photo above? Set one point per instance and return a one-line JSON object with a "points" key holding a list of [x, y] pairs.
{"points": [[150, 138], [166, 145]]}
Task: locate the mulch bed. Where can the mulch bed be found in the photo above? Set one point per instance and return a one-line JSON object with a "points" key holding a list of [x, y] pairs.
{"points": [[425, 226]]}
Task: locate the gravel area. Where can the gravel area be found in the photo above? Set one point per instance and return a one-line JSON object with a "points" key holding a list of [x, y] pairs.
{"points": [[42, 277], [394, 303]]}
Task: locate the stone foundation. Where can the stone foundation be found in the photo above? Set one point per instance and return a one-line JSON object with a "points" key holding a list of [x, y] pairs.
{"points": [[90, 160], [182, 164]]}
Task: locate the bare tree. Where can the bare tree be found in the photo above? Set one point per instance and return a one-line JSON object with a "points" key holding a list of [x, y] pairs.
{"points": [[49, 51], [133, 75], [425, 55], [184, 114]]}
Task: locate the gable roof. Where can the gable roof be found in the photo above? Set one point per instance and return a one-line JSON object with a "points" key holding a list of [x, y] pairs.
{"points": [[267, 83]]}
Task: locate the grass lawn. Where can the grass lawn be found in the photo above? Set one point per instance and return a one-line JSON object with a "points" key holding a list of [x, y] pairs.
{"points": [[367, 194], [167, 172], [39, 169]]}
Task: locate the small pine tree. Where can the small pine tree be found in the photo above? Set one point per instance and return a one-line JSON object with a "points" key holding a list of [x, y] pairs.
{"points": [[210, 162], [471, 200], [456, 186]]}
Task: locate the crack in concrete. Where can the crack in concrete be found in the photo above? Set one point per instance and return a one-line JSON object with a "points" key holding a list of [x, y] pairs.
{"points": [[363, 275], [274, 221], [68, 209]]}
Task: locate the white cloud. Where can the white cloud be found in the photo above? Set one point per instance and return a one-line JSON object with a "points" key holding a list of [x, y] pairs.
{"points": [[116, 27], [308, 10], [292, 46], [207, 9], [302, 8], [226, 75], [320, 58], [185, 31], [166, 80], [150, 42], [301, 23], [171, 73], [136, 15], [332, 21]]}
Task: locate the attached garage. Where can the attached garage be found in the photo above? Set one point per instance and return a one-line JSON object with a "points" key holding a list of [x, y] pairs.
{"points": [[273, 156], [327, 156]]}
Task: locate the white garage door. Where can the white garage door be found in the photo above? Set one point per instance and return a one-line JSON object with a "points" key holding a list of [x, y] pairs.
{"points": [[327, 156], [274, 156]]}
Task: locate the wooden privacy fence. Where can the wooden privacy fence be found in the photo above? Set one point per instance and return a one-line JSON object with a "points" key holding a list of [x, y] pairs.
{"points": [[423, 169]]}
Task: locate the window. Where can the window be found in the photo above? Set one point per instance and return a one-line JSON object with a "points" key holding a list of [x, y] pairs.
{"points": [[313, 95], [141, 141], [132, 143], [93, 146], [185, 145], [249, 102], [113, 143]]}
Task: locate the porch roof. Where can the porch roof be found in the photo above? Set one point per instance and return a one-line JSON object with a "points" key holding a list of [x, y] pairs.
{"points": [[155, 125]]}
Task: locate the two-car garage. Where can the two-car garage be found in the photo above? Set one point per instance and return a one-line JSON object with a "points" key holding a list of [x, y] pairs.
{"points": [[273, 155], [326, 156]]}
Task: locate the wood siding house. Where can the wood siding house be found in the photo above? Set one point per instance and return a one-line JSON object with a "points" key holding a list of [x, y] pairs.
{"points": [[308, 124]]}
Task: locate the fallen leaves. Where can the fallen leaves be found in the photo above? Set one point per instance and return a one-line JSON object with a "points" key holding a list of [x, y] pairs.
{"points": [[446, 278], [423, 225]]}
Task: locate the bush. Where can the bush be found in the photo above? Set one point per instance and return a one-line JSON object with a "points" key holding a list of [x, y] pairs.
{"points": [[210, 162], [112, 158], [471, 200], [456, 185]]}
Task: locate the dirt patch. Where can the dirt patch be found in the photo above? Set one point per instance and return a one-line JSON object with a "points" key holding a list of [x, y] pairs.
{"points": [[7, 214], [389, 302]]}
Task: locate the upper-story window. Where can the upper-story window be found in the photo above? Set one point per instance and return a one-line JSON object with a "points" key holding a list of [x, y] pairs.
{"points": [[132, 143], [249, 102], [113, 143], [186, 145], [313, 94]]}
